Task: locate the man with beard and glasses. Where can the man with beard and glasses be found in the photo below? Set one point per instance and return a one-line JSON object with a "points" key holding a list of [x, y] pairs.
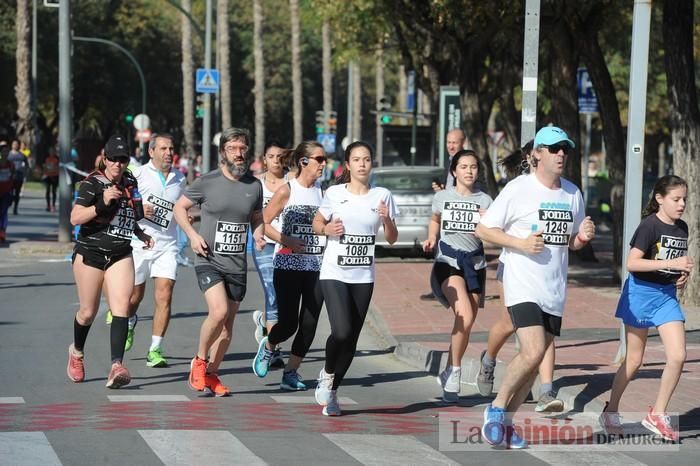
{"points": [[230, 199]]}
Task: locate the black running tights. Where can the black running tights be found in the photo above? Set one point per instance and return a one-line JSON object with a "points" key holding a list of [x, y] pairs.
{"points": [[291, 288], [347, 305]]}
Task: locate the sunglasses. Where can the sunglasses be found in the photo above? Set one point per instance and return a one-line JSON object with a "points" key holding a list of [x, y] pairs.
{"points": [[555, 148], [122, 160], [320, 158]]}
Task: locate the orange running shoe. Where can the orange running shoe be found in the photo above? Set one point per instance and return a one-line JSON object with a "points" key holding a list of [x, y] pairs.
{"points": [[198, 372], [76, 365], [214, 384], [118, 376]]}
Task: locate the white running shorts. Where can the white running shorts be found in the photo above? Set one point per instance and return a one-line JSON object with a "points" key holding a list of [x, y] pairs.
{"points": [[154, 263]]}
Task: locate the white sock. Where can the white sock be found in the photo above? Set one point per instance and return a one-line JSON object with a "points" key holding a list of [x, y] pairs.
{"points": [[155, 342], [456, 368], [132, 322]]}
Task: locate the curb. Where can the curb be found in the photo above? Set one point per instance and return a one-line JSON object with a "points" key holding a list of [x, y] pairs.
{"points": [[433, 361], [41, 248]]}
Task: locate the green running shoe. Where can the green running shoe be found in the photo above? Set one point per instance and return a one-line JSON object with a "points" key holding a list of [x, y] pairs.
{"points": [[108, 317], [129, 339], [155, 358]]}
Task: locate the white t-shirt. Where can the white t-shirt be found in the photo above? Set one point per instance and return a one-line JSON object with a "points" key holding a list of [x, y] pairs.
{"points": [[267, 196], [350, 258], [525, 205], [163, 193]]}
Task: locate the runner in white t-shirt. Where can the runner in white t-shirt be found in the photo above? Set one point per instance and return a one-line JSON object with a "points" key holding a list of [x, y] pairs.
{"points": [[459, 273], [160, 186], [350, 216], [536, 219]]}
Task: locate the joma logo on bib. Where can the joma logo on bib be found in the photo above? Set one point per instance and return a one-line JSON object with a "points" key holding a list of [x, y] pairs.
{"points": [[230, 238], [556, 226]]}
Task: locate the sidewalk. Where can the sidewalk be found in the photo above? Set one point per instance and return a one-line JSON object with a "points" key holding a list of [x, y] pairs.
{"points": [[420, 332]]}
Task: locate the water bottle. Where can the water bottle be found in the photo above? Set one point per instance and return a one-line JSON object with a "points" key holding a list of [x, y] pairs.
{"points": [[137, 202]]}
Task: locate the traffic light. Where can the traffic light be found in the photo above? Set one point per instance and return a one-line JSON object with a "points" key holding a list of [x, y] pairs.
{"points": [[129, 118], [333, 122], [320, 122], [199, 111], [383, 107]]}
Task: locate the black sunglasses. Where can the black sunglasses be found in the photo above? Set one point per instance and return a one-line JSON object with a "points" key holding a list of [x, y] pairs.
{"points": [[555, 148], [320, 158], [122, 160]]}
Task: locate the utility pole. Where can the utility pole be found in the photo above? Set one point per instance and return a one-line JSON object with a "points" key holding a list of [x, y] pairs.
{"points": [[65, 119], [206, 124], [531, 48], [634, 165]]}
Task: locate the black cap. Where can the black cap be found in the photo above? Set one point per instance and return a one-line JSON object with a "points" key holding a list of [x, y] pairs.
{"points": [[116, 147]]}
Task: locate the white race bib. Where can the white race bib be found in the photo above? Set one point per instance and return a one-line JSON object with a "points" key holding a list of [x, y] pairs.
{"points": [[162, 211], [230, 238], [314, 243], [556, 225], [122, 224], [356, 250], [459, 216]]}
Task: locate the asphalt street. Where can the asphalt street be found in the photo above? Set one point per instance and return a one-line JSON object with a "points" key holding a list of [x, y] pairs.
{"points": [[391, 411]]}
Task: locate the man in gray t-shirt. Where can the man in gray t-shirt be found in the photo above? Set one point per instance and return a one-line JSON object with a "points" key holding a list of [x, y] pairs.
{"points": [[230, 199]]}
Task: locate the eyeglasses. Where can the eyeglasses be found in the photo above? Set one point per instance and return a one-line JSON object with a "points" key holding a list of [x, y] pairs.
{"points": [[235, 149], [555, 148], [122, 160], [320, 158]]}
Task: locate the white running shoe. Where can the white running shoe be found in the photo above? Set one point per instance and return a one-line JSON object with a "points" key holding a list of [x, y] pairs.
{"points": [[324, 387], [259, 325], [333, 407], [450, 381]]}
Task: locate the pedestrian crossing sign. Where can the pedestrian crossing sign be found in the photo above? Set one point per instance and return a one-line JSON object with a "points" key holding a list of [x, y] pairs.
{"points": [[207, 80]]}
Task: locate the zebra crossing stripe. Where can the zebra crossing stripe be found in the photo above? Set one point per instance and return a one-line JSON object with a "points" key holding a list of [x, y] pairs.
{"points": [[210, 447], [592, 458], [152, 398], [26, 448], [308, 399], [11, 400], [398, 450]]}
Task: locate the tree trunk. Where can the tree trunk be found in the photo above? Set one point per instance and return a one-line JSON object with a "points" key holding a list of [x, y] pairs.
{"points": [[562, 69], [378, 95], [587, 43], [23, 88], [685, 122], [356, 101], [327, 72], [259, 90], [224, 52], [187, 89], [296, 73]]}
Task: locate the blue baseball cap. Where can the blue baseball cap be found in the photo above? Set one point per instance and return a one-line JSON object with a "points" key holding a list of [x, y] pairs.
{"points": [[551, 135]]}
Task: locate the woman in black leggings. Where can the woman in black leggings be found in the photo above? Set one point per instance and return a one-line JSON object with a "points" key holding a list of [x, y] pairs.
{"points": [[350, 215], [296, 263]]}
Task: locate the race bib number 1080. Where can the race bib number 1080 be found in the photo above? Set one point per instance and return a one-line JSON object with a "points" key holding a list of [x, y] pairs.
{"points": [[356, 251], [230, 238]]}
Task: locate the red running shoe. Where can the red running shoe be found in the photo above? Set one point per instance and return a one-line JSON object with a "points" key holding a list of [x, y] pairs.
{"points": [[76, 365], [118, 376], [660, 424]]}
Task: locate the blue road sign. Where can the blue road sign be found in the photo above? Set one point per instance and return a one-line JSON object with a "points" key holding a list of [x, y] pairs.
{"points": [[328, 141], [587, 100], [207, 80]]}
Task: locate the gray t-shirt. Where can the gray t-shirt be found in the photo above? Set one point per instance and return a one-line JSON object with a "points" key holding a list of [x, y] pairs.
{"points": [[459, 216], [227, 207]]}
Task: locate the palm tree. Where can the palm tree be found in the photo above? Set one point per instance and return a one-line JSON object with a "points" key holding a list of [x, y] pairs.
{"points": [[187, 86], [259, 90], [296, 72], [224, 63], [23, 88]]}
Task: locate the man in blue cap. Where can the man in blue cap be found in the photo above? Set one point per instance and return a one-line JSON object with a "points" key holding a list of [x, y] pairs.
{"points": [[537, 218]]}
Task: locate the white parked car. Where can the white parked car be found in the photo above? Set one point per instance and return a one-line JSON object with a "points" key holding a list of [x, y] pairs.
{"points": [[413, 194]]}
